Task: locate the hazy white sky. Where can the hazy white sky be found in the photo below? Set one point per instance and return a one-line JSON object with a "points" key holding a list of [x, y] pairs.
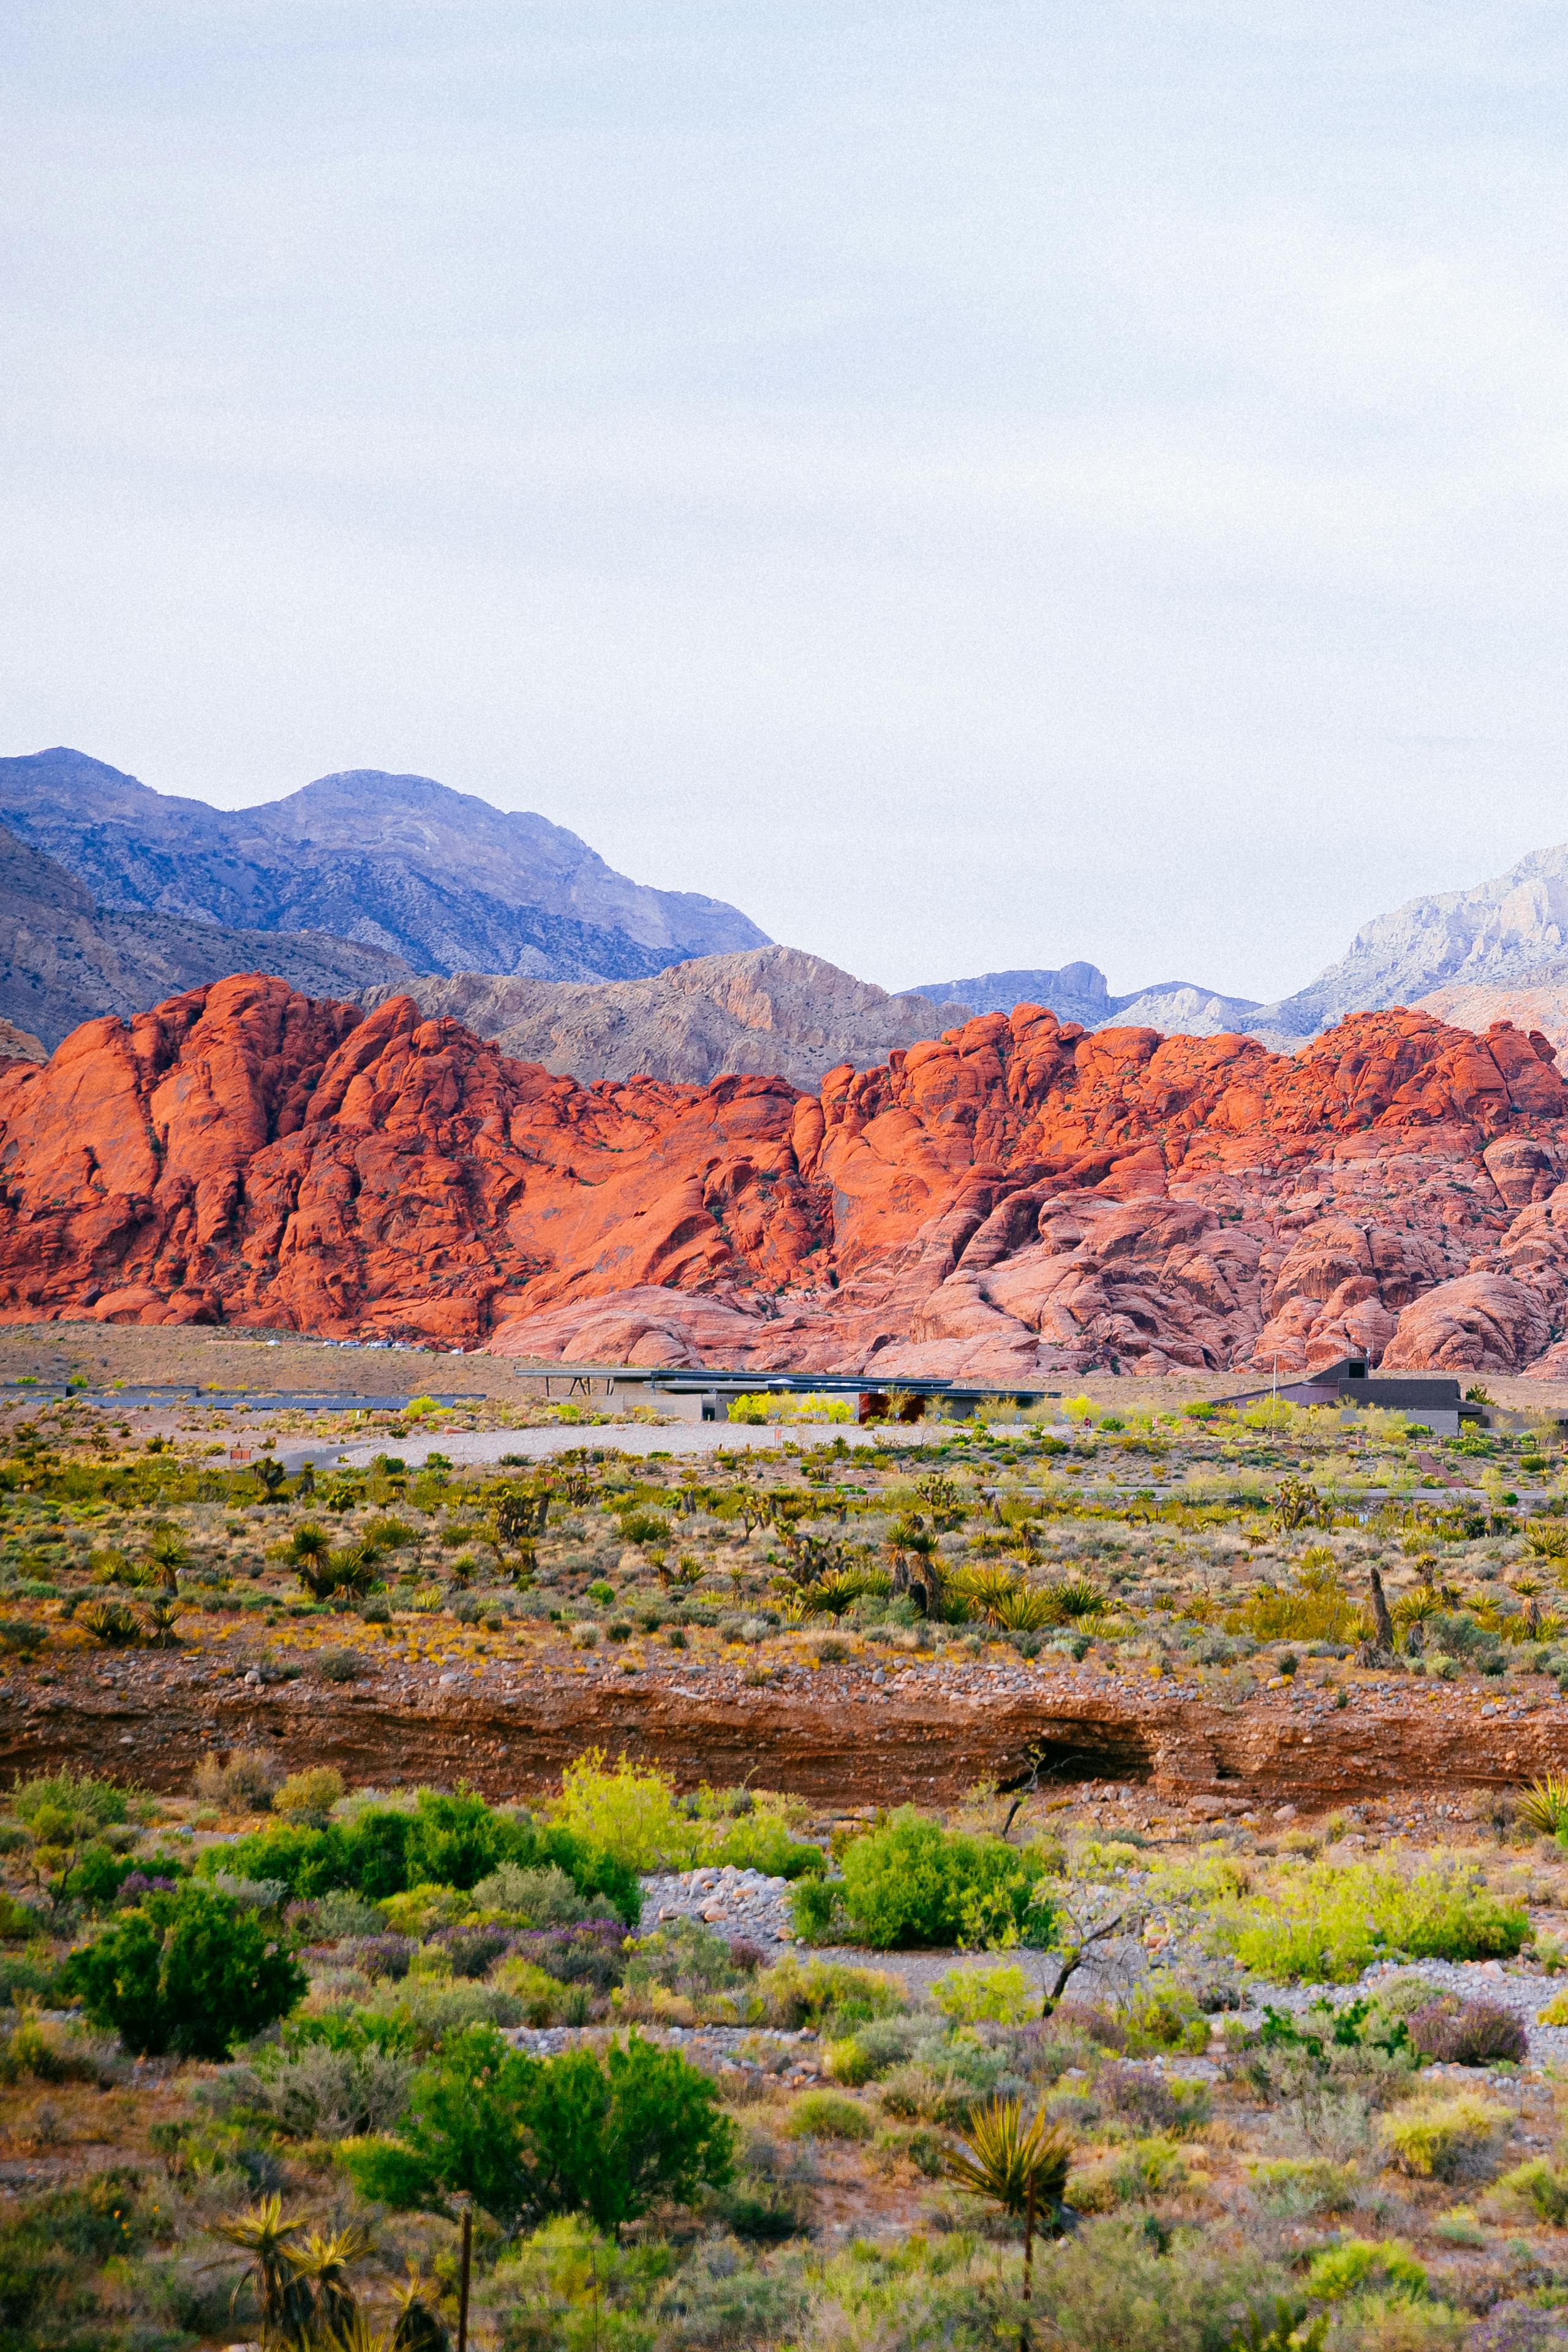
{"points": [[976, 485]]}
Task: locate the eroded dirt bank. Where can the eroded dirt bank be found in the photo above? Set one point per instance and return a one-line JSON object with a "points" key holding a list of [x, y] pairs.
{"points": [[840, 1739]]}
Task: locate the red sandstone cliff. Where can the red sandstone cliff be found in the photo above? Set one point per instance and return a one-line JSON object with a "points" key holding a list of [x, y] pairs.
{"points": [[1013, 1198]]}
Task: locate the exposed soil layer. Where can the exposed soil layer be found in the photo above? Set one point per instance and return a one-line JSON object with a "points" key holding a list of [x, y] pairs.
{"points": [[839, 1738]]}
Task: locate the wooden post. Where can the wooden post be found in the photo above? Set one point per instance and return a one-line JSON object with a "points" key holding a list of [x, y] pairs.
{"points": [[464, 2265]]}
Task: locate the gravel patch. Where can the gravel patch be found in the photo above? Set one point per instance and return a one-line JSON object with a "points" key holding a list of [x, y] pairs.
{"points": [[733, 1903]]}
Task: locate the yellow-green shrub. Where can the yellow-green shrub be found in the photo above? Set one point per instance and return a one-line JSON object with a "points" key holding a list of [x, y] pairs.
{"points": [[540, 1992], [1006, 1996], [1365, 2262], [1145, 2168], [1434, 2137], [1324, 1921], [1294, 2186], [828, 2115], [1539, 2189]]}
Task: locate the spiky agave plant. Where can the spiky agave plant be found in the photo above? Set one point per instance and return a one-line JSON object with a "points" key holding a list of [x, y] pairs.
{"points": [[1544, 1804], [1021, 2167], [282, 2302], [832, 1595], [1074, 1597], [113, 1623], [419, 2326], [320, 2270]]}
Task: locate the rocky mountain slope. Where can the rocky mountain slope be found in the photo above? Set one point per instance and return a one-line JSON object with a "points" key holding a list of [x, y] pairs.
{"points": [[1491, 935], [1080, 992], [63, 960], [1538, 999], [773, 1011], [1014, 1201], [437, 878]]}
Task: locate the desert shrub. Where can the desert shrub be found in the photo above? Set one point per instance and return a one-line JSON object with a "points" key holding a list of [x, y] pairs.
{"points": [[1005, 1996], [685, 1958], [1145, 2168], [314, 2091], [866, 2054], [564, 2287], [1438, 2138], [628, 1811], [1295, 2187], [1469, 2033], [53, 2053], [470, 1951], [1537, 2188], [1155, 2102], [1109, 2288], [381, 1956], [51, 1800], [189, 1972], [1359, 2264], [1162, 2017], [573, 2134], [531, 1898], [244, 1784], [308, 1796], [946, 2084], [1326, 1921], [46, 2244], [914, 1883], [827, 2114], [826, 1995]]}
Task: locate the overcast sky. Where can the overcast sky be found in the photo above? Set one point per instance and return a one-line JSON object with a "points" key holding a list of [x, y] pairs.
{"points": [[975, 485]]}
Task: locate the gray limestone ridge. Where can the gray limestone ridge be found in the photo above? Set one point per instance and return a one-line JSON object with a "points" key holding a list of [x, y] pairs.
{"points": [[774, 1012], [1507, 933]]}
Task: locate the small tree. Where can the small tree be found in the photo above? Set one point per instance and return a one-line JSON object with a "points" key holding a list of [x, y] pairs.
{"points": [[189, 1972], [527, 2138]]}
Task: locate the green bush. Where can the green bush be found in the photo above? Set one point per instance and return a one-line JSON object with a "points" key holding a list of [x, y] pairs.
{"points": [[530, 2137], [447, 1841], [914, 1883], [828, 2115], [189, 1972], [1325, 1922]]}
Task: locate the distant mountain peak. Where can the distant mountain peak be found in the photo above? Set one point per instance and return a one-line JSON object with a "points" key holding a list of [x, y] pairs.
{"points": [[444, 879]]}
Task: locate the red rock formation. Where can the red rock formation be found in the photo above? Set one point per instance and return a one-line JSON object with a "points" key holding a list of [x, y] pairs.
{"points": [[1012, 1199]]}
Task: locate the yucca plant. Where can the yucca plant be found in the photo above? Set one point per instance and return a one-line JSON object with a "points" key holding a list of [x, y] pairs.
{"points": [[832, 1595], [984, 1588], [160, 1622], [111, 1622], [419, 2326], [1548, 1539], [1025, 1609], [282, 2300], [1022, 2168], [1285, 2329], [1544, 1804], [1075, 1596], [321, 2272]]}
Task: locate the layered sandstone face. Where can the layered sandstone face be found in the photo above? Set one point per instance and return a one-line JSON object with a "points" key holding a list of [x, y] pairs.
{"points": [[1012, 1199]]}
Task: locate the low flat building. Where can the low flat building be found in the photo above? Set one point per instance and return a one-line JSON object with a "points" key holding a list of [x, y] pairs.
{"points": [[1436, 1399]]}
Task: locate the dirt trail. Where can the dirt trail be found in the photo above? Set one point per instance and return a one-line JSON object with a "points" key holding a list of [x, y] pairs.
{"points": [[839, 1738]]}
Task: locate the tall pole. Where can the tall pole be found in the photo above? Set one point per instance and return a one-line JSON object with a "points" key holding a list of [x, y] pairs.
{"points": [[465, 2263]]}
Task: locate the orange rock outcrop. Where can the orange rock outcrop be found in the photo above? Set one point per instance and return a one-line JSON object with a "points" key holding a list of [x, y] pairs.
{"points": [[1013, 1199]]}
